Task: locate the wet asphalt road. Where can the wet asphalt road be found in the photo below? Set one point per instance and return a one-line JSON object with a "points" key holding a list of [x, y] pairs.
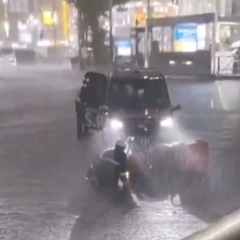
{"points": [[43, 194]]}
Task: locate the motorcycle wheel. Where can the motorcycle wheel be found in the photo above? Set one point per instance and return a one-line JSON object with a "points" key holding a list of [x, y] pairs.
{"points": [[124, 194]]}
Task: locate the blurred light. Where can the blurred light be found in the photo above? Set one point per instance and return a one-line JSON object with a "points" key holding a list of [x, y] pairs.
{"points": [[172, 144], [35, 22], [21, 26], [45, 43], [63, 42], [167, 122], [18, 46], [116, 124], [71, 37], [49, 18], [139, 4], [55, 18], [65, 19], [15, 45], [6, 27]]}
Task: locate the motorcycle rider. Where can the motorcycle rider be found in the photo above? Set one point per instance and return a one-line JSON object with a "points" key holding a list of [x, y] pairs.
{"points": [[121, 158]]}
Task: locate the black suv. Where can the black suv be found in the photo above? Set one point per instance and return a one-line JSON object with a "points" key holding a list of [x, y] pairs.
{"points": [[133, 102]]}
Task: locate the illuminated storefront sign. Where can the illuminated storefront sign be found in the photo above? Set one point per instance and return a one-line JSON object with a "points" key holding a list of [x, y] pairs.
{"points": [[49, 18], [185, 38], [160, 10], [123, 47], [65, 19], [189, 37]]}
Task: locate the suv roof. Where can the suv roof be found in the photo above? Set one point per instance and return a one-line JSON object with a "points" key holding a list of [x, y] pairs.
{"points": [[144, 74]]}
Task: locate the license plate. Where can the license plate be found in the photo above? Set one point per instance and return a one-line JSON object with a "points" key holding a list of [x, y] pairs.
{"points": [[143, 140]]}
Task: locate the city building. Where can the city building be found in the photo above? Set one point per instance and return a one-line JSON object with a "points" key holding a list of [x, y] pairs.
{"points": [[12, 12], [34, 23], [191, 7], [134, 14], [227, 15]]}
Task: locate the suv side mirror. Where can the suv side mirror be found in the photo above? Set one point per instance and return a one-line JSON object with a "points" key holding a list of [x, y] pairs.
{"points": [[177, 107]]}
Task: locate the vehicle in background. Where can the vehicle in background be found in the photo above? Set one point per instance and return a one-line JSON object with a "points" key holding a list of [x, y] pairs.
{"points": [[7, 57]]}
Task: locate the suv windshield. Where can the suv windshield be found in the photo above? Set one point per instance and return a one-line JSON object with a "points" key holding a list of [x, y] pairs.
{"points": [[129, 94]]}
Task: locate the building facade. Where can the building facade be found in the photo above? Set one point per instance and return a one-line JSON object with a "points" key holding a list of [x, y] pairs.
{"points": [[191, 7], [26, 22]]}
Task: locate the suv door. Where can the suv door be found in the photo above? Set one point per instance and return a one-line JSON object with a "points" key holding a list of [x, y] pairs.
{"points": [[91, 97]]}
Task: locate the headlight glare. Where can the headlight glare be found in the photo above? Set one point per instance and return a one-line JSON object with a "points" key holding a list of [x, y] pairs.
{"points": [[167, 122], [116, 124]]}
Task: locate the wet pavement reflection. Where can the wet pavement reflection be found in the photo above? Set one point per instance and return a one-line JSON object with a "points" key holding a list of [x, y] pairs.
{"points": [[43, 191]]}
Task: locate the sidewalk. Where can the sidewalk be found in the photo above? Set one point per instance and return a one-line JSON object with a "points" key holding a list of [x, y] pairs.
{"points": [[203, 78]]}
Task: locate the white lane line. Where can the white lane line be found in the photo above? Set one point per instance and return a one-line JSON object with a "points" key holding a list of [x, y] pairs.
{"points": [[212, 103], [221, 96]]}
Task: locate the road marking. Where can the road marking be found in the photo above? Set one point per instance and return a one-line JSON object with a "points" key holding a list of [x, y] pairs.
{"points": [[212, 103], [220, 93]]}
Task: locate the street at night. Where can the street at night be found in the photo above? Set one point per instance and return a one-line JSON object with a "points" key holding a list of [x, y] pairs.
{"points": [[43, 192]]}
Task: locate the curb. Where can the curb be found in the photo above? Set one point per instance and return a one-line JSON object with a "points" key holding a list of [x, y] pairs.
{"points": [[203, 77]]}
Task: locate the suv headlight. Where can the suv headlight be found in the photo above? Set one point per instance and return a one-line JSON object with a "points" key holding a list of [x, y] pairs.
{"points": [[167, 122], [116, 124]]}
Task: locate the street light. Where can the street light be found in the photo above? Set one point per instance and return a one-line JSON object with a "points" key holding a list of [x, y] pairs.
{"points": [[55, 22], [146, 62], [6, 22], [214, 31], [111, 31]]}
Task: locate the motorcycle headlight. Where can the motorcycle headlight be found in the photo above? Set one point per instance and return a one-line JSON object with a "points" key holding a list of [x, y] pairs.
{"points": [[167, 122], [116, 124], [128, 176], [125, 175]]}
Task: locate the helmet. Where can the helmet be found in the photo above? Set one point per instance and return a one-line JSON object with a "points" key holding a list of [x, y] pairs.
{"points": [[121, 144]]}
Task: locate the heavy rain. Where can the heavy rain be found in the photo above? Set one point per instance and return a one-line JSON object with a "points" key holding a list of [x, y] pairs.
{"points": [[48, 189], [44, 194]]}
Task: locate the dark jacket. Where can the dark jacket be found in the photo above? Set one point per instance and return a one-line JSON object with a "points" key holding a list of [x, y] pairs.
{"points": [[121, 158]]}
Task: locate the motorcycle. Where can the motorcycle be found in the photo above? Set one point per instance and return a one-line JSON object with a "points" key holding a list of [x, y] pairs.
{"points": [[162, 170], [101, 174]]}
